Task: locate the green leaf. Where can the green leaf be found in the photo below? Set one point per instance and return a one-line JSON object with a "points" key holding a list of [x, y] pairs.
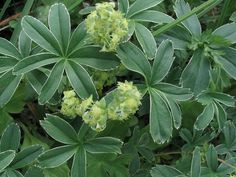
{"points": [[204, 119], [80, 80], [175, 112], [211, 158], [8, 86], [7, 63], [208, 97], [51, 85], [227, 31], [160, 118], [36, 79], [10, 138], [196, 163], [123, 6], [227, 167], [5, 120], [40, 34], [104, 145], [227, 61], [153, 17], [78, 38], [59, 129], [92, 57], [182, 8], [13, 173], [134, 59], [196, 74], [79, 166], [26, 156], [35, 172], [176, 93], [57, 156], [24, 44], [59, 24], [140, 5], [61, 171], [6, 158], [221, 115], [163, 61], [165, 171], [146, 40], [34, 62], [8, 49]]}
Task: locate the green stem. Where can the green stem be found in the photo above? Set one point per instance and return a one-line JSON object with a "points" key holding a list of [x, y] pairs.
{"points": [[196, 10]]}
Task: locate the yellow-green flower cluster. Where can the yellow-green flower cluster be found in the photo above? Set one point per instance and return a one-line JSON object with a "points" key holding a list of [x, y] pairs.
{"points": [[69, 104], [96, 117], [106, 26], [73, 106], [126, 101]]}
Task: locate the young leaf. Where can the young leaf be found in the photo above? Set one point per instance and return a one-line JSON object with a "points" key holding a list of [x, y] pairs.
{"points": [[59, 24], [92, 57], [6, 158], [196, 163], [8, 49], [8, 86], [227, 31], [165, 171], [133, 58], [57, 156], [163, 61], [77, 38], [123, 6], [34, 62], [192, 23], [40, 34], [80, 80], [59, 129], [204, 119], [79, 166], [176, 93], [160, 118], [52, 84], [153, 17], [26, 156], [103, 145], [10, 138], [196, 73], [211, 158], [140, 5]]}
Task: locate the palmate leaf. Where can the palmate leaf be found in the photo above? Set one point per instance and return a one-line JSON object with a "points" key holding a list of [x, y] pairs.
{"points": [[123, 6], [24, 44], [196, 163], [165, 171], [6, 158], [8, 49], [227, 31], [79, 168]]}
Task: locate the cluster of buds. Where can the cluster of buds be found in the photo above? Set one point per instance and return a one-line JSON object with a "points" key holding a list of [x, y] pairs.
{"points": [[106, 26], [125, 103]]}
